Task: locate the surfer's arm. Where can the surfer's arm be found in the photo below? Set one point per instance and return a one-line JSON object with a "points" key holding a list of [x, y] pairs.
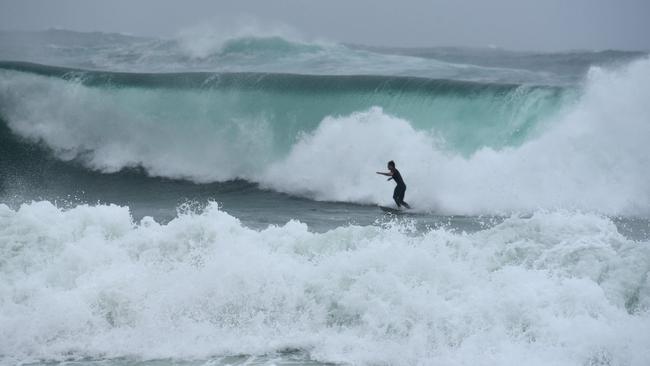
{"points": [[389, 174]]}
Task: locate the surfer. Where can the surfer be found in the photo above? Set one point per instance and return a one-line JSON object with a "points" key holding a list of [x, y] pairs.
{"points": [[400, 189]]}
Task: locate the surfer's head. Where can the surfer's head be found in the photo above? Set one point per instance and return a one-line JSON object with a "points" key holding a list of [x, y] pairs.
{"points": [[391, 165]]}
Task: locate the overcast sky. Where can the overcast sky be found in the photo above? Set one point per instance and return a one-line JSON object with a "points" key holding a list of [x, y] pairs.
{"points": [[512, 24]]}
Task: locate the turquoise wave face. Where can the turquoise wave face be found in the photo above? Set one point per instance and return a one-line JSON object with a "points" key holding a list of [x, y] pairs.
{"points": [[267, 46], [467, 116]]}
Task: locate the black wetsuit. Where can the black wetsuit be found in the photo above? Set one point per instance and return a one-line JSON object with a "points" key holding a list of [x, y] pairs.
{"points": [[400, 189]]}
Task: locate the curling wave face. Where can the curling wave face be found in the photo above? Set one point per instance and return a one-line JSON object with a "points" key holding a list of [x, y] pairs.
{"points": [[464, 147]]}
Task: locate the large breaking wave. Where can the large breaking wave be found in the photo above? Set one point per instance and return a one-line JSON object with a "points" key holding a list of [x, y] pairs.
{"points": [[463, 147]]}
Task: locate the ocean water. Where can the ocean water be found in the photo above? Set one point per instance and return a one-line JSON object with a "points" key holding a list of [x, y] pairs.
{"points": [[213, 201]]}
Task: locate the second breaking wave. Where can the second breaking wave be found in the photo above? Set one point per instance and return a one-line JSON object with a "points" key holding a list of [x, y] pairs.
{"points": [[90, 283]]}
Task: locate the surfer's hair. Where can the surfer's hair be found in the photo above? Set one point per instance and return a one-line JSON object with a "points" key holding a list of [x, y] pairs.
{"points": [[391, 163]]}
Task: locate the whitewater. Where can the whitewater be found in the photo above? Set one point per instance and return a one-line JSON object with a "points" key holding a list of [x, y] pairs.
{"points": [[213, 202]]}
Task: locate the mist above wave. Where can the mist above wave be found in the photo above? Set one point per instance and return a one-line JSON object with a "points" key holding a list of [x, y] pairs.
{"points": [[253, 48]]}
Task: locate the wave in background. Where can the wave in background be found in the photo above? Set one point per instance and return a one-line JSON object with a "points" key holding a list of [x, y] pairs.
{"points": [[279, 50], [463, 147]]}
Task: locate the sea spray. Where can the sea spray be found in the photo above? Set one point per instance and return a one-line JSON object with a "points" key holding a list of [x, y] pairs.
{"points": [[89, 282], [275, 50]]}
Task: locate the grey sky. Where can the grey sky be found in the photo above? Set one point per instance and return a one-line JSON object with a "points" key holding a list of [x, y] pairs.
{"points": [[513, 24]]}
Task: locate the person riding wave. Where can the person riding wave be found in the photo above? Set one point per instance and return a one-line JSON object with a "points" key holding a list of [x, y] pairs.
{"points": [[400, 189]]}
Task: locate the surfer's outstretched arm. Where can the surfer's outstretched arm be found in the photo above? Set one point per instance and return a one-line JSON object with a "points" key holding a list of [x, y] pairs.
{"points": [[389, 174]]}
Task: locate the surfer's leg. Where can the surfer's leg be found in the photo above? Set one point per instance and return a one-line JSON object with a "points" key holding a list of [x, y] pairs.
{"points": [[401, 198], [396, 196]]}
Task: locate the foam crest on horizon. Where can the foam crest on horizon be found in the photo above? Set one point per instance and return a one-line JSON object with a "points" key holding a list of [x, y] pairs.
{"points": [[92, 283], [242, 45], [209, 38]]}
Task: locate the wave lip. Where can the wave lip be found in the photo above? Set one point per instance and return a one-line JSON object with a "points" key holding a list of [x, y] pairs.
{"points": [[556, 286], [266, 80]]}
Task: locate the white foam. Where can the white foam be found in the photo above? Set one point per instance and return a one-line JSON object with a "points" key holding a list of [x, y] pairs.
{"points": [[109, 130], [594, 157], [556, 288]]}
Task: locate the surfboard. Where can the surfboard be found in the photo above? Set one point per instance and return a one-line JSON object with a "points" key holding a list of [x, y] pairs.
{"points": [[392, 210]]}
